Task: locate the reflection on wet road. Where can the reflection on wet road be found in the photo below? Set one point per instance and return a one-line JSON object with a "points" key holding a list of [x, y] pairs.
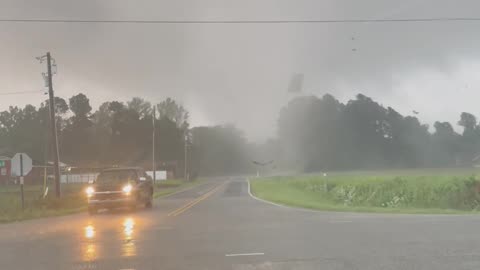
{"points": [[115, 239], [128, 245], [103, 235], [89, 250], [89, 232], [92, 239], [230, 230]]}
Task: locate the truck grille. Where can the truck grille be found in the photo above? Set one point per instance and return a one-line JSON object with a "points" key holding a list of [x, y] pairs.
{"points": [[107, 196]]}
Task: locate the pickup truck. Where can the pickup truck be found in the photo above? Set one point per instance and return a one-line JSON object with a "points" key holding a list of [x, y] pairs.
{"points": [[120, 187]]}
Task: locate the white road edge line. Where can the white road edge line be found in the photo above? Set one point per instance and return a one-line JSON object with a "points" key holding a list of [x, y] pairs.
{"points": [[262, 200], [245, 254], [281, 205]]}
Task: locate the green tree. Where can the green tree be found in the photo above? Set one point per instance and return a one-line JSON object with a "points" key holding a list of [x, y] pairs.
{"points": [[19, 132], [80, 105], [324, 134], [170, 109], [78, 141], [469, 122], [367, 129], [140, 106], [445, 145], [470, 141]]}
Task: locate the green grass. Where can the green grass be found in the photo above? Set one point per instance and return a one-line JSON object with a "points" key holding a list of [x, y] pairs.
{"points": [[73, 199], [413, 191]]}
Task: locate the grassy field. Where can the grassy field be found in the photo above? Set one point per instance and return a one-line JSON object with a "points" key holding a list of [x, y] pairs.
{"points": [[399, 191], [73, 199]]}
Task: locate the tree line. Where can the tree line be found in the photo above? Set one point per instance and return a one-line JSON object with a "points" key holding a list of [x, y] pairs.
{"points": [[313, 134], [326, 134], [120, 133]]}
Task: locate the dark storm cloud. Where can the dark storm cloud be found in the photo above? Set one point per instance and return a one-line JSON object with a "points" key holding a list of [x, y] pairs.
{"points": [[240, 73]]}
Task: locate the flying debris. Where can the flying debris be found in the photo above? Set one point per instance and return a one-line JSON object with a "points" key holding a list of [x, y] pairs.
{"points": [[296, 83], [262, 163], [415, 112]]}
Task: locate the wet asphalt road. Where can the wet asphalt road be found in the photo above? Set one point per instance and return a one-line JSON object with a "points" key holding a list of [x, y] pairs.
{"points": [[219, 226]]}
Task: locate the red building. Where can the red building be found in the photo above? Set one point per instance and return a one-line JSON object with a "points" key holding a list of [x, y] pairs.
{"points": [[5, 167]]}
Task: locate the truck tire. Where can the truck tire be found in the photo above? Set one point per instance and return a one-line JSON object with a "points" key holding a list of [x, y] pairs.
{"points": [[149, 204]]}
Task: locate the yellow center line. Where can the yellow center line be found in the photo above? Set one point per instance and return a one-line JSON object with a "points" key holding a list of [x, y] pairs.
{"points": [[195, 201]]}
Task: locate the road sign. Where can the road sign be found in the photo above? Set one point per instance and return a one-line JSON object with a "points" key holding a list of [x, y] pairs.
{"points": [[2, 163], [21, 164]]}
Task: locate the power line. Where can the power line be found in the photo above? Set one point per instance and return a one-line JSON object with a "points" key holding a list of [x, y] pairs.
{"points": [[434, 19], [20, 92]]}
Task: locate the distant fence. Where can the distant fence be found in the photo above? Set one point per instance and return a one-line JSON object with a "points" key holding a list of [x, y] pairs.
{"points": [[160, 175], [78, 178]]}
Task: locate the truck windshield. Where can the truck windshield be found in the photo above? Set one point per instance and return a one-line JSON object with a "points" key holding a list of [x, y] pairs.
{"points": [[116, 176]]}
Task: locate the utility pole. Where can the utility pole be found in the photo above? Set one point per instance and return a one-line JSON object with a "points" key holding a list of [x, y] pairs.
{"points": [[185, 173], [22, 181], [53, 125], [154, 167], [45, 162]]}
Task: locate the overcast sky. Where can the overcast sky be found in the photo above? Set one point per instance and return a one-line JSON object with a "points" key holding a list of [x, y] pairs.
{"points": [[240, 73]]}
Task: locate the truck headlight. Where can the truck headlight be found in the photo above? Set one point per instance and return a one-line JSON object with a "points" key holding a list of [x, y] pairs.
{"points": [[127, 189], [89, 191]]}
